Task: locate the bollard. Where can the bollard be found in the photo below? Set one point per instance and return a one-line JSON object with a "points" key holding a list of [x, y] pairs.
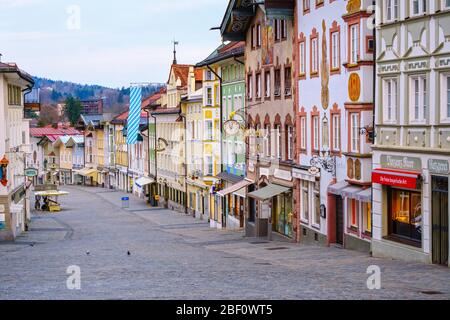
{"points": [[125, 202]]}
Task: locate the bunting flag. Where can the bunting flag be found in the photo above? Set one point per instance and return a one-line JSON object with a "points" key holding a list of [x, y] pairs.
{"points": [[134, 115]]}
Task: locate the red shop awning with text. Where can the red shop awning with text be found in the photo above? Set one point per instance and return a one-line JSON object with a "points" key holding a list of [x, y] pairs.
{"points": [[395, 178]]}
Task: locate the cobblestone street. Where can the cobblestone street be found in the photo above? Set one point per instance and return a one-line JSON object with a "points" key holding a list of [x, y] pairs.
{"points": [[173, 256]]}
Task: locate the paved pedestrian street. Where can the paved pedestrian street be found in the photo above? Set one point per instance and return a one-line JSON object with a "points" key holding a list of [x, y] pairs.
{"points": [[173, 256]]}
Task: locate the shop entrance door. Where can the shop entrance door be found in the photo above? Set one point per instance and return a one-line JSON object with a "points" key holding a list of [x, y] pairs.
{"points": [[440, 220], [339, 220]]}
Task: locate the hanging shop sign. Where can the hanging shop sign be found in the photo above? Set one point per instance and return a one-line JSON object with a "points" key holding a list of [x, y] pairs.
{"points": [[437, 166], [401, 162], [394, 178], [31, 172]]}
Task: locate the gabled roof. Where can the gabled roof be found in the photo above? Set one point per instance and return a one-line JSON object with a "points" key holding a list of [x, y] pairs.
{"points": [[123, 118], [61, 140], [13, 68], [92, 119], [75, 140], [47, 131], [223, 52], [181, 71]]}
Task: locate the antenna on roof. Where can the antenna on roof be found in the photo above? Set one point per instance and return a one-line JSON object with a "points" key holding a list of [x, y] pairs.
{"points": [[175, 43]]}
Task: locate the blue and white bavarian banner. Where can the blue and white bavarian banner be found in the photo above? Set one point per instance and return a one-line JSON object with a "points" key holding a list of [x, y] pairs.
{"points": [[134, 115]]}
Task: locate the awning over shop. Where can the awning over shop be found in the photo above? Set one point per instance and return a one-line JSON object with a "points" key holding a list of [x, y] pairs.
{"points": [[143, 181], [365, 195], [241, 193], [337, 188], [268, 192], [229, 177], [87, 172], [234, 188], [395, 178], [350, 192]]}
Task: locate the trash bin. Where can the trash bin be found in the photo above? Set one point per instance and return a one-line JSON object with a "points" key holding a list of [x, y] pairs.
{"points": [[125, 202]]}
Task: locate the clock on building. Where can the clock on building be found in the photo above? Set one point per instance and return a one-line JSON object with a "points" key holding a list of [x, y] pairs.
{"points": [[232, 127]]}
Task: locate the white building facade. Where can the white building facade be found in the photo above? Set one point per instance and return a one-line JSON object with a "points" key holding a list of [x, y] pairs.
{"points": [[14, 151], [412, 148]]}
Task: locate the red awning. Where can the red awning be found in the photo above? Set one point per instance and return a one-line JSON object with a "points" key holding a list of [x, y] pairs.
{"points": [[395, 178]]}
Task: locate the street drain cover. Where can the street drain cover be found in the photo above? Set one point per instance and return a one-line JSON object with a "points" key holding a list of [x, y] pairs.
{"points": [[259, 242], [263, 264], [431, 292], [277, 248]]}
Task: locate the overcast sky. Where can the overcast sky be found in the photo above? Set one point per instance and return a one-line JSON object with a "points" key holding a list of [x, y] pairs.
{"points": [[107, 42]]}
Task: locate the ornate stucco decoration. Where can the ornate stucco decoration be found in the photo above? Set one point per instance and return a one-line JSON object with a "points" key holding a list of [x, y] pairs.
{"points": [[325, 76], [353, 6]]}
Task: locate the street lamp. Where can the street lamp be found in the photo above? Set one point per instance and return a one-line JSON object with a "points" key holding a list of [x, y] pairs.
{"points": [[325, 159]]}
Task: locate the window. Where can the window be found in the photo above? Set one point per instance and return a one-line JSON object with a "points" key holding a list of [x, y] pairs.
{"points": [[336, 123], [277, 89], [391, 10], [390, 100], [418, 6], [406, 214], [316, 133], [278, 144], [290, 142], [209, 130], [14, 95], [258, 35], [367, 218], [302, 58], [303, 131], [208, 75], [277, 29], [448, 96], [267, 140], [446, 4], [287, 81], [314, 56], [217, 94], [250, 86], [304, 198], [335, 51], [354, 44], [258, 85], [353, 211], [418, 99], [210, 166], [316, 192], [267, 84], [209, 96], [355, 136], [283, 29], [253, 38], [306, 5]]}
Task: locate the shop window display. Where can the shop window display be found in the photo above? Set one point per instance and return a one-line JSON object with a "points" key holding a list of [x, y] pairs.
{"points": [[406, 215]]}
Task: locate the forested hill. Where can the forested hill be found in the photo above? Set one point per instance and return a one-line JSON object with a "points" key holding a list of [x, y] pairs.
{"points": [[115, 100]]}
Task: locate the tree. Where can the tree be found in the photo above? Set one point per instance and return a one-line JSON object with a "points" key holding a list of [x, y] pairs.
{"points": [[48, 115], [73, 110]]}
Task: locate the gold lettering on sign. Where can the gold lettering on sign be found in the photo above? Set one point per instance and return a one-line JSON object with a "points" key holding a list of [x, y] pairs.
{"points": [[353, 6]]}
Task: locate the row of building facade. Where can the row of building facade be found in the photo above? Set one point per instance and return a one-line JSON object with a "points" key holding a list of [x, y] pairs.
{"points": [[316, 121]]}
